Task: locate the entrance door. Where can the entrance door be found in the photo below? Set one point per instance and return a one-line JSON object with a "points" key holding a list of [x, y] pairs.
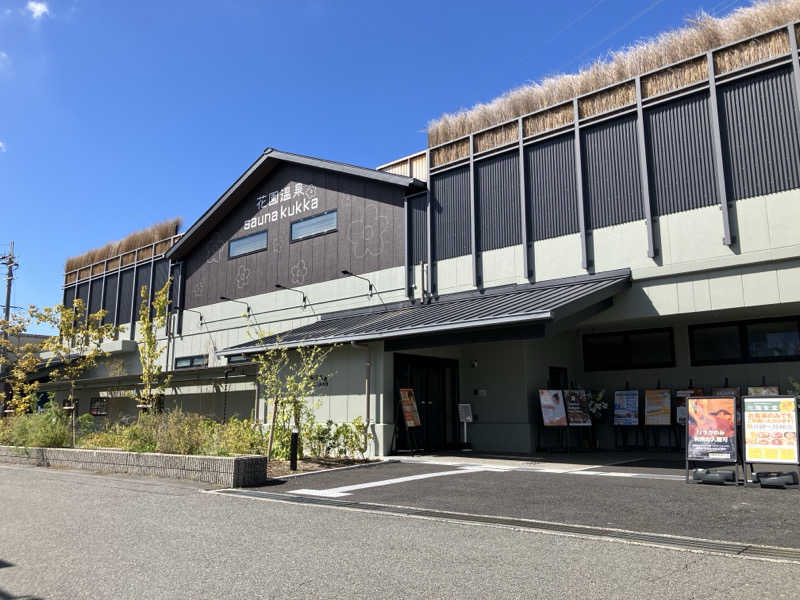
{"points": [[435, 385]]}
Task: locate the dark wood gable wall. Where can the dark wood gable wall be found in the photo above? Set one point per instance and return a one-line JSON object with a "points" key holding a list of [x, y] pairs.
{"points": [[369, 237]]}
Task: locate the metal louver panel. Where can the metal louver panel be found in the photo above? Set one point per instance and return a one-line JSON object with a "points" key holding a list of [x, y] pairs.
{"points": [[417, 221], [551, 194], [451, 214], [497, 201]]}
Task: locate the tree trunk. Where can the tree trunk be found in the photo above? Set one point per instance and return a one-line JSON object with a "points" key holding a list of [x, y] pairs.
{"points": [[72, 402], [272, 430]]}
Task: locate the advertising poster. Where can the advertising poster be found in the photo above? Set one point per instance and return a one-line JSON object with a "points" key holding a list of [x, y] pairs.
{"points": [[409, 404], [553, 412], [578, 408], [725, 391], [770, 430], [711, 428], [680, 403], [626, 407], [657, 407], [763, 390]]}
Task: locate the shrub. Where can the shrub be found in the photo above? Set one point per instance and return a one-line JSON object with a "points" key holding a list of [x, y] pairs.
{"points": [[51, 428]]}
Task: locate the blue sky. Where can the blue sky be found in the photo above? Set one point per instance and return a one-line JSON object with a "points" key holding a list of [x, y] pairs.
{"points": [[115, 115]]}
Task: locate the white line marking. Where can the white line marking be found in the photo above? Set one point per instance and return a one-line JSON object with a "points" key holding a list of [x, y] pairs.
{"points": [[345, 490]]}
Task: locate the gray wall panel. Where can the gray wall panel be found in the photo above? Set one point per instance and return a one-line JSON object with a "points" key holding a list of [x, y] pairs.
{"points": [[612, 189], [417, 223], [69, 296], [95, 296], [110, 298], [759, 127], [497, 201], [551, 194], [125, 292], [679, 155], [451, 214]]}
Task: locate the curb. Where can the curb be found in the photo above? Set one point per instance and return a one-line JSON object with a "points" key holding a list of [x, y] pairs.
{"points": [[347, 468]]}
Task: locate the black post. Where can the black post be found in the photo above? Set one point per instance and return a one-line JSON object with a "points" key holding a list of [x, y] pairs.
{"points": [[293, 450]]}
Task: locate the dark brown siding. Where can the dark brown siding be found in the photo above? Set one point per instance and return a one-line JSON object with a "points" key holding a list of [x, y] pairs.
{"points": [[369, 237]]}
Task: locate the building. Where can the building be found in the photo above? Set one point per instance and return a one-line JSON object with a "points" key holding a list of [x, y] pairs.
{"points": [[652, 244]]}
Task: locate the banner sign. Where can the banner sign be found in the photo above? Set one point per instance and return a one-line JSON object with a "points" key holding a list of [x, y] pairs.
{"points": [[409, 404], [626, 407], [553, 413], [763, 390], [770, 430], [578, 408], [711, 429], [657, 407]]}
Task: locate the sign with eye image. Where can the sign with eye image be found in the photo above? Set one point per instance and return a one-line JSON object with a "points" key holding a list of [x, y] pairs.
{"points": [[711, 428]]}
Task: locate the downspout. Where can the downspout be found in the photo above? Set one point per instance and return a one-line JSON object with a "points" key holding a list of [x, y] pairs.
{"points": [[367, 373]]}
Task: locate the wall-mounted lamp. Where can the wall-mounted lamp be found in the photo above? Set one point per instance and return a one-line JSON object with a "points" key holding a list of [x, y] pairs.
{"points": [[283, 287], [371, 287], [249, 311], [196, 311]]}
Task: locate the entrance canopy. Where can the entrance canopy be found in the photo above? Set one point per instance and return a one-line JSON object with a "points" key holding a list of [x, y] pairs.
{"points": [[469, 313]]}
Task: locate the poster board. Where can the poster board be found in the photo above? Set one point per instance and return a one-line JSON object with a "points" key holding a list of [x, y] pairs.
{"points": [[409, 405], [657, 407], [553, 412], [763, 390], [626, 407], [681, 411], [711, 428], [725, 391], [577, 402], [465, 413], [770, 430]]}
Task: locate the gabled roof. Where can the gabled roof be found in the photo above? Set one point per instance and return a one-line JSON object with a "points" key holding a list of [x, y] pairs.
{"points": [[545, 301], [265, 164]]}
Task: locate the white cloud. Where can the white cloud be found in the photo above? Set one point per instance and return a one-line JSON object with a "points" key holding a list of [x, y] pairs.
{"points": [[2, 147], [37, 9]]}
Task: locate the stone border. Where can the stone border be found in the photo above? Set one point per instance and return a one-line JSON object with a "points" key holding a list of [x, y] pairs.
{"points": [[228, 471]]}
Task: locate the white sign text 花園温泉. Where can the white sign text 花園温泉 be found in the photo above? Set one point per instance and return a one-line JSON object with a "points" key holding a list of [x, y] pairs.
{"points": [[290, 201]]}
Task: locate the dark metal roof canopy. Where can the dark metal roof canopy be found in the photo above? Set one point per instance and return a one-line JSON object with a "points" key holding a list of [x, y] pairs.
{"points": [[264, 165], [519, 304]]}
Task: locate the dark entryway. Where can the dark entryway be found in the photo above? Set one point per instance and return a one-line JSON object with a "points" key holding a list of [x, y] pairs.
{"points": [[435, 385]]}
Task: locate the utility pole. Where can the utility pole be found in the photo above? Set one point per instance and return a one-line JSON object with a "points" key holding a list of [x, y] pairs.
{"points": [[11, 264], [9, 261]]}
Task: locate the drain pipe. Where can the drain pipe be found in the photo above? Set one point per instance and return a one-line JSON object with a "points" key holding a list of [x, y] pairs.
{"points": [[367, 372]]}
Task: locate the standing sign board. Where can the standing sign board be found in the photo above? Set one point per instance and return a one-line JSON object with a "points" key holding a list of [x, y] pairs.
{"points": [[657, 410], [553, 413], [409, 404], [711, 429], [578, 408], [763, 390], [680, 403], [626, 407], [770, 430]]}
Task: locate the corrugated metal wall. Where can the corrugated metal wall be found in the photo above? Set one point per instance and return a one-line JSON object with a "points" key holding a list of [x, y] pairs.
{"points": [[679, 155], [611, 186], [551, 194], [451, 214], [497, 201], [759, 130], [110, 298], [417, 223], [95, 296], [69, 296], [125, 292]]}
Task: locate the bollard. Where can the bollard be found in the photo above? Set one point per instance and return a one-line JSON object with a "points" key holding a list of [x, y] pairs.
{"points": [[293, 450]]}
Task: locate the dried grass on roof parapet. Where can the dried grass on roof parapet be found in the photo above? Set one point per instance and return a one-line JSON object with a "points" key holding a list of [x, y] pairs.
{"points": [[145, 237], [702, 34]]}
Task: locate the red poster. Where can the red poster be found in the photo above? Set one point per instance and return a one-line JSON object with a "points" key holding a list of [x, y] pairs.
{"points": [[409, 404]]}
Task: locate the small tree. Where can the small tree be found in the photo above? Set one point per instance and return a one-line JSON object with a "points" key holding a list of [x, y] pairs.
{"points": [[152, 317], [77, 347], [18, 362]]}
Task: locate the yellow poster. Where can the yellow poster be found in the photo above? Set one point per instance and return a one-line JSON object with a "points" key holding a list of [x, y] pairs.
{"points": [[770, 430], [657, 407]]}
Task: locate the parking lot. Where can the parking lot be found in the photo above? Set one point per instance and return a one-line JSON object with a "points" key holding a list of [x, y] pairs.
{"points": [[640, 496]]}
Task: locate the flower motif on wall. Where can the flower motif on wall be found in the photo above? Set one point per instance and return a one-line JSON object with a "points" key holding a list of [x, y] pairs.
{"points": [[242, 277], [213, 248], [199, 289], [374, 235], [299, 272]]}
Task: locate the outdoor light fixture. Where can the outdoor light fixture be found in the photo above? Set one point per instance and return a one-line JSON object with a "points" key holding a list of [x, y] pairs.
{"points": [[371, 287], [196, 311], [283, 287], [249, 311]]}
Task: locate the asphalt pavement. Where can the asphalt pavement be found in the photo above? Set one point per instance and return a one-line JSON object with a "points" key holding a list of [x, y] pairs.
{"points": [[67, 534]]}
